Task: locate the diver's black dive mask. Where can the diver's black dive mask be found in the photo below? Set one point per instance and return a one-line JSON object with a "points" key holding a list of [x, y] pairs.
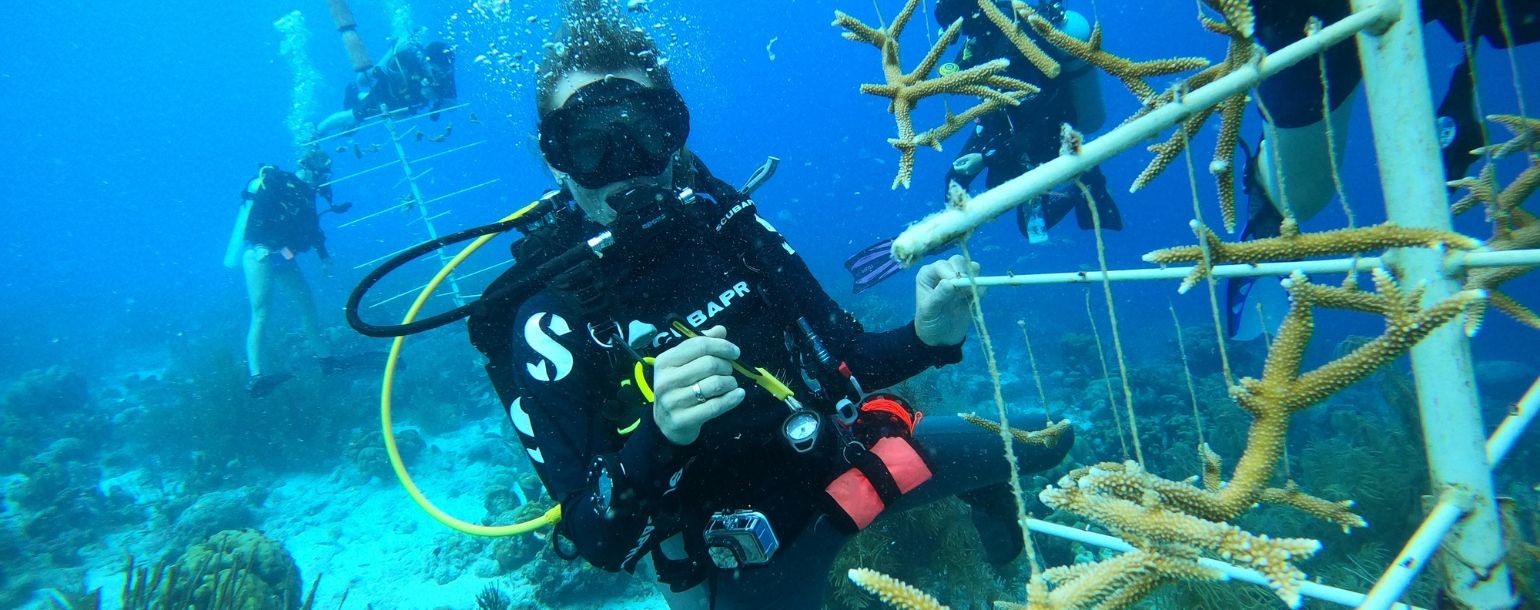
{"points": [[613, 130]]}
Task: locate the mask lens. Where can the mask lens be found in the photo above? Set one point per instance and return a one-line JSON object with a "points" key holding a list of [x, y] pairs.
{"points": [[615, 130]]}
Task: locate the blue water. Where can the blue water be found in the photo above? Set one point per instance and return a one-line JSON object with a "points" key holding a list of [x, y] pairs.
{"points": [[127, 130]]}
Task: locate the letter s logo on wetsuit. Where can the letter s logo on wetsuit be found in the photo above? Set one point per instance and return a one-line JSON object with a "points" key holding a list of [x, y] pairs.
{"points": [[546, 345]]}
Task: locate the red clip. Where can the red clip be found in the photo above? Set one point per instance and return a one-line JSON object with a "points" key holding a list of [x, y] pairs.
{"points": [[845, 370]]}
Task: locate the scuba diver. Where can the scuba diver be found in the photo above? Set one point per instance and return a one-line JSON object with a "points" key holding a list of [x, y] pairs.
{"points": [[1299, 159], [278, 222], [1008, 142], [639, 381], [411, 77]]}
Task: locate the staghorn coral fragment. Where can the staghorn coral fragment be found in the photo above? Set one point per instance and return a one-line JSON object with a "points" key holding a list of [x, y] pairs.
{"points": [[1023, 43], [1114, 583], [1157, 525], [1293, 245], [1283, 390], [906, 89], [1213, 477], [1339, 513], [1238, 15], [893, 591], [1514, 228], [1481, 189], [1047, 437], [1131, 73], [1526, 136]]}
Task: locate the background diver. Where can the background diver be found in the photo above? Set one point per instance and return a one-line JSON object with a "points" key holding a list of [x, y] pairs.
{"points": [[411, 77], [278, 222], [1008, 142], [1293, 165], [618, 376]]}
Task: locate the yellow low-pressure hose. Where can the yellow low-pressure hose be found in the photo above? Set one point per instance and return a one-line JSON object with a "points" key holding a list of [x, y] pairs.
{"points": [[551, 517]]}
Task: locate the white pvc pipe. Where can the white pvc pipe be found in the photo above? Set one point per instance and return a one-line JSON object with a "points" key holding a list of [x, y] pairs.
{"points": [[1430, 535], [1308, 589], [1406, 145], [947, 226], [359, 173], [1455, 262], [1341, 265], [1508, 432], [1504, 258]]}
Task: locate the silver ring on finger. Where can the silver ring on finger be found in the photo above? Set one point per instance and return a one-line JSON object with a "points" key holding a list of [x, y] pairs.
{"points": [[700, 397]]}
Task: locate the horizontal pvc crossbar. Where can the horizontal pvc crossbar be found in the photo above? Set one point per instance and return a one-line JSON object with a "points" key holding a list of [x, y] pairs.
{"points": [[947, 226], [1409, 562], [381, 121], [360, 173], [1470, 260], [1308, 589], [1513, 426]]}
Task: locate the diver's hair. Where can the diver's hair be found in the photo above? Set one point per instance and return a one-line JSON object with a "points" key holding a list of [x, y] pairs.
{"points": [[597, 37]]}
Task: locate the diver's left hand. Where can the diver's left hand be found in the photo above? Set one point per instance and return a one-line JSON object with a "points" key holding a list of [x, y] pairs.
{"points": [[941, 315]]}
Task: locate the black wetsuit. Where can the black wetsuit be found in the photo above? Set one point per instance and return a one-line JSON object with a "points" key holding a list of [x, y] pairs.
{"points": [[1018, 138], [283, 214], [412, 77], [561, 386], [1293, 96]]}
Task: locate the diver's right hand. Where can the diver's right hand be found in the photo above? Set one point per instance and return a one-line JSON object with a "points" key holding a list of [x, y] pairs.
{"points": [[693, 383]]}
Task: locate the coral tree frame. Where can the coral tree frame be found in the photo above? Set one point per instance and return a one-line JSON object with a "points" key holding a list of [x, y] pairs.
{"points": [[1429, 259]]}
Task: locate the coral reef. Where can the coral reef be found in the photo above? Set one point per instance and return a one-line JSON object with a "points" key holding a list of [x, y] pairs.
{"points": [[367, 452], [239, 569], [41, 406], [906, 89]]}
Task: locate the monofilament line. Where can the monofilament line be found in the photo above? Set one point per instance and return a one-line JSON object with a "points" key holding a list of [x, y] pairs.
{"points": [[1037, 379], [1192, 389], [977, 309], [1208, 259], [1112, 315], [1101, 357]]}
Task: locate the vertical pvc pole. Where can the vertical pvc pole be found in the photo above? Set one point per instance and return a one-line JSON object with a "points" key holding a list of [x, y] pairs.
{"points": [[420, 202], [1411, 175]]}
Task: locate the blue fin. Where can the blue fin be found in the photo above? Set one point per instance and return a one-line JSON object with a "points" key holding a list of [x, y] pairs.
{"points": [[872, 265]]}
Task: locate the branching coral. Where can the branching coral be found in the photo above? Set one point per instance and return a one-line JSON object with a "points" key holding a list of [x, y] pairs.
{"points": [[1171, 523], [1023, 43], [1238, 26], [1293, 245], [906, 89], [1047, 437], [894, 592], [1514, 228], [1131, 73], [1526, 136]]}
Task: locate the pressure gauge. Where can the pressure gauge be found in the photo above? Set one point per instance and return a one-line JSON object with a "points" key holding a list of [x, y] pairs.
{"points": [[801, 430]]}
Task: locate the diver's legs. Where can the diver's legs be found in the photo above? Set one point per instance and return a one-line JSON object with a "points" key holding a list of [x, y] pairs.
{"points": [[293, 281], [259, 283], [797, 578], [335, 122], [965, 460], [1296, 169], [964, 457]]}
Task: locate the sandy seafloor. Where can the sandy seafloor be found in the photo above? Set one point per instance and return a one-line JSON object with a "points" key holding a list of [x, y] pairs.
{"points": [[369, 540]]}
